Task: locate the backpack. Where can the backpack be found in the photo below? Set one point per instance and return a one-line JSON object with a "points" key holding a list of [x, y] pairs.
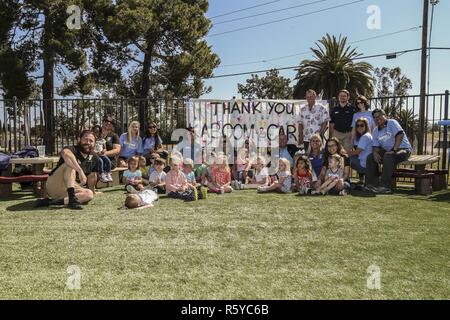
{"points": [[4, 161], [27, 152]]}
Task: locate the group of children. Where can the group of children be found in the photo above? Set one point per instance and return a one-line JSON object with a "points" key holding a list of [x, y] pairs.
{"points": [[181, 179]]}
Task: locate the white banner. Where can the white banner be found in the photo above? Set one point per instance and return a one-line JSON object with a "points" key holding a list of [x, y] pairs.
{"points": [[259, 121]]}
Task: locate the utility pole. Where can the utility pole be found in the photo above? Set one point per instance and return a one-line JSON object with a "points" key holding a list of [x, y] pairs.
{"points": [[423, 79]]}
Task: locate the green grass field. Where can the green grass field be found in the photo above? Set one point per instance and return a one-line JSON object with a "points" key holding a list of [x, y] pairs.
{"points": [[237, 246]]}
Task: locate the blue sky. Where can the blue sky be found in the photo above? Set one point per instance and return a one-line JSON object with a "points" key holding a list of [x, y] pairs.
{"points": [[299, 34]]}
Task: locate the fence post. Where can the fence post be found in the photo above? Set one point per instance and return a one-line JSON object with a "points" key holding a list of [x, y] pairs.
{"points": [[444, 155], [15, 122]]}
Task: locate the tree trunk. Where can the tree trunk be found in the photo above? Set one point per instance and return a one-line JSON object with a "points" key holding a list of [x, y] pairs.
{"points": [[48, 83], [145, 80]]}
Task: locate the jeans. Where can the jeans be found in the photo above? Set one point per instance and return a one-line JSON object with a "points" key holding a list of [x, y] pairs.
{"points": [[104, 164], [389, 161], [187, 195], [355, 164]]}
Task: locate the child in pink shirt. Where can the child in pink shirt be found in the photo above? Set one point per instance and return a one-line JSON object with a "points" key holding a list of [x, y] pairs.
{"points": [[221, 176], [177, 186]]}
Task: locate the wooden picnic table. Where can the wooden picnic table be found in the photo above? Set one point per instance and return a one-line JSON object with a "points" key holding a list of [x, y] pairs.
{"points": [[426, 181], [37, 168], [37, 164], [420, 161]]}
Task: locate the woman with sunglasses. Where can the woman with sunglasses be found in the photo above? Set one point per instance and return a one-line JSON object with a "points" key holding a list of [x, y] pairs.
{"points": [[152, 144], [363, 148], [333, 146], [362, 105]]}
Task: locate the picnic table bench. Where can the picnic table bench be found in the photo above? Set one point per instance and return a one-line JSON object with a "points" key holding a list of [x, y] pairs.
{"points": [[116, 175], [38, 175], [426, 181]]}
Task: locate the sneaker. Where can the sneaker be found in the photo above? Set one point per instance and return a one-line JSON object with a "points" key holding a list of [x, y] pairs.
{"points": [[110, 178], [315, 192], [104, 177], [343, 192], [233, 184], [131, 189], [42, 203], [383, 190], [74, 204], [369, 188], [262, 189]]}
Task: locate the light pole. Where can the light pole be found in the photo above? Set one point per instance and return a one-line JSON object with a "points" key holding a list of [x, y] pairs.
{"points": [[433, 3], [423, 79]]}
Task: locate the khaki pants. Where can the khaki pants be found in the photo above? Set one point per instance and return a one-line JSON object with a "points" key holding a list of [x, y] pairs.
{"points": [[344, 139], [56, 186]]}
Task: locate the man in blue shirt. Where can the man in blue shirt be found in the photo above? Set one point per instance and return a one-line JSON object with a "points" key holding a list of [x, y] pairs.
{"points": [[390, 147], [287, 150]]}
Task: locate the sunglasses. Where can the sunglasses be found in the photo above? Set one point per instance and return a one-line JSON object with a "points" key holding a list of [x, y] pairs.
{"points": [[361, 125], [332, 145]]}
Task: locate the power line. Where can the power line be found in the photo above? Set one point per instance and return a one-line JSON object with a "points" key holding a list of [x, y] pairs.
{"points": [[244, 9], [268, 12], [307, 52], [285, 19], [296, 67]]}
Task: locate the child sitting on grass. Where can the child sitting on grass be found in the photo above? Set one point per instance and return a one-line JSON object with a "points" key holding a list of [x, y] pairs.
{"points": [[303, 177], [207, 167], [144, 169], [140, 200], [177, 186], [157, 179], [284, 182], [220, 176], [133, 176], [188, 170], [260, 175], [333, 175]]}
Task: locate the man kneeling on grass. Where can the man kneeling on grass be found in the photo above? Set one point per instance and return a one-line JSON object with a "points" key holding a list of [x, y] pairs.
{"points": [[76, 167]]}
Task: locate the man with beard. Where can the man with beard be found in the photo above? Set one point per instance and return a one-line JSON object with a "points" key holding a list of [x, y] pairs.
{"points": [[76, 167]]}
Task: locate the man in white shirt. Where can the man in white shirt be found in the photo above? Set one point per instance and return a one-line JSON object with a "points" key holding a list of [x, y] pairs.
{"points": [[313, 118]]}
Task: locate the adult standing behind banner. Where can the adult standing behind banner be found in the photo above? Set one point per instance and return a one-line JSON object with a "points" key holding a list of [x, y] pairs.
{"points": [[341, 120], [77, 166], [390, 146], [112, 140], [314, 119], [130, 144]]}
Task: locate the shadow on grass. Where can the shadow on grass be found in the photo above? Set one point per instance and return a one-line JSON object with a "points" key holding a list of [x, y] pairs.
{"points": [[440, 196], [17, 196], [29, 206], [362, 194]]}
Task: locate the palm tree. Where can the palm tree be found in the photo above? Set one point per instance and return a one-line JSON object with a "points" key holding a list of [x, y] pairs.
{"points": [[333, 69]]}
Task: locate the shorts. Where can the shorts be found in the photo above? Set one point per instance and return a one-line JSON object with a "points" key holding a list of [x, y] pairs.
{"points": [[56, 186]]}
